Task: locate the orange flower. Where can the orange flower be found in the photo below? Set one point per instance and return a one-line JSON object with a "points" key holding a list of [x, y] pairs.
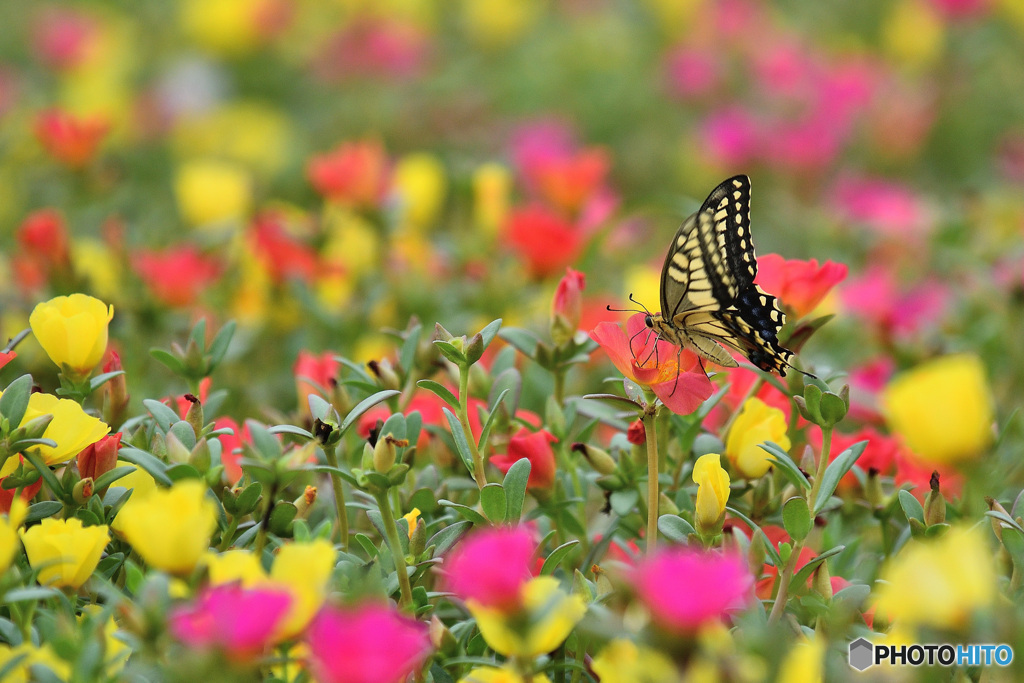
{"points": [[69, 139], [545, 241], [800, 285]]}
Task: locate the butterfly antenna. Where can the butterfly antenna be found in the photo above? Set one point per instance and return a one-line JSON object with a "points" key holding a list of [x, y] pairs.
{"points": [[638, 303]]}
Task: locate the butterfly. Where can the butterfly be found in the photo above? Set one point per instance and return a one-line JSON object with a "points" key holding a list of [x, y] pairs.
{"points": [[709, 301]]}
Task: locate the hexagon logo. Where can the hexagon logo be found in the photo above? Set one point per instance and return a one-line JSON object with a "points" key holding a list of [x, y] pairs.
{"points": [[862, 654]]}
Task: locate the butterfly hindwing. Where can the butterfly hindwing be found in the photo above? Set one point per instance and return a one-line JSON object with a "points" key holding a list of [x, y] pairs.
{"points": [[708, 295]]}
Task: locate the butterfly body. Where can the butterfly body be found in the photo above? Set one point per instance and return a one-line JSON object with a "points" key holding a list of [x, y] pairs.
{"points": [[709, 301]]}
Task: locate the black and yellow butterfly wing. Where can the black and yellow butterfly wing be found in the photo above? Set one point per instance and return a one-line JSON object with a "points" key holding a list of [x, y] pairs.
{"points": [[708, 293]]}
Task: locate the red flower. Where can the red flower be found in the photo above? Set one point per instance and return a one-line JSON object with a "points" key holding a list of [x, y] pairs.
{"points": [[282, 255], [544, 240], [569, 181], [6, 357], [69, 139], [673, 374], [910, 470], [354, 174], [314, 375], [535, 447], [176, 276], [637, 433], [800, 285], [568, 302], [43, 235], [7, 495], [231, 447], [100, 457]]}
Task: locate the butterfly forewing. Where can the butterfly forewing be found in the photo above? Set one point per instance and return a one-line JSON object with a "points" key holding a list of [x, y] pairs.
{"points": [[708, 293]]}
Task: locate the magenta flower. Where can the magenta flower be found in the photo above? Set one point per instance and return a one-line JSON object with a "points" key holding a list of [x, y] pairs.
{"points": [[675, 377], [731, 137], [238, 621], [368, 644], [491, 566], [684, 589], [886, 207]]}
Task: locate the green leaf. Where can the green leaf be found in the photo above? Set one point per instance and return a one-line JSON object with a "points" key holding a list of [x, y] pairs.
{"points": [[290, 429], [449, 351], [490, 332], [523, 340], [485, 431], [407, 356], [441, 391], [624, 502], [786, 465], [31, 594], [493, 502], [461, 444], [509, 379], [467, 512], [447, 537], [14, 401], [42, 510], [164, 415], [911, 508], [184, 433], [109, 477], [168, 360], [675, 528], [800, 579], [99, 380], [796, 517], [47, 474], [281, 517], [556, 557], [198, 333], [265, 444], [364, 405], [515, 489], [620, 402], [219, 346], [835, 471], [150, 463], [183, 470], [768, 546]]}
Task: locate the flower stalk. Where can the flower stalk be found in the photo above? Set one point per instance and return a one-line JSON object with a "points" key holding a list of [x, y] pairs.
{"points": [[391, 534]]}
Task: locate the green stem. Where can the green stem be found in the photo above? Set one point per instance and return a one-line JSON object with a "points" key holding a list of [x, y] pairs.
{"points": [[261, 535], [559, 374], [652, 479], [826, 447], [229, 534], [391, 533], [339, 497], [478, 460]]}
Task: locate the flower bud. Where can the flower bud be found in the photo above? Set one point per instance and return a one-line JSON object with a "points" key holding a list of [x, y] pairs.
{"points": [[304, 503], [636, 434], [666, 506], [601, 461], [712, 494], [441, 638], [176, 450], [386, 452], [200, 457], [997, 525], [566, 307], [99, 458], [475, 348], [418, 539], [934, 503], [821, 583], [873, 489], [115, 403], [82, 491], [385, 374], [194, 414]]}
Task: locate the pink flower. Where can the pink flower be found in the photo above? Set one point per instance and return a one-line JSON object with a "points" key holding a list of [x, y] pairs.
{"points": [[684, 589], [886, 207], [375, 48], [962, 9], [490, 566], [876, 297], [64, 38], [730, 137], [803, 146], [535, 447], [692, 72], [240, 622], [673, 374], [800, 285], [568, 302], [368, 644]]}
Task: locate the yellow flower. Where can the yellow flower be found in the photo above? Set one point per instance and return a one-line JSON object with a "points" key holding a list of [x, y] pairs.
{"points": [[939, 583], [490, 674], [622, 661], [913, 33], [550, 615], [73, 331], [100, 266], [411, 517], [804, 663], [71, 428], [942, 409], [352, 242], [115, 651], [303, 569], [712, 492], [64, 551], [9, 524], [212, 192], [141, 484], [643, 281], [756, 424], [421, 185], [492, 185], [31, 656], [232, 566], [171, 528], [498, 23], [226, 27], [675, 16], [252, 134]]}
